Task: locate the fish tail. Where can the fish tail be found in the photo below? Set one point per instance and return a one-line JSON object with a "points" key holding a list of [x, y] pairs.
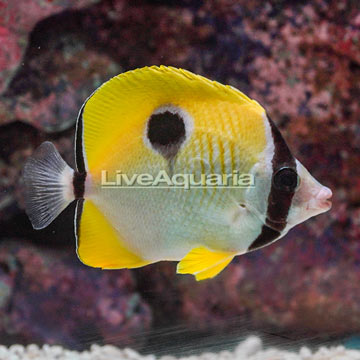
{"points": [[48, 184]]}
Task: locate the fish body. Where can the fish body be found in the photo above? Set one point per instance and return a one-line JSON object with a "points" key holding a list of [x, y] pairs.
{"points": [[159, 124]]}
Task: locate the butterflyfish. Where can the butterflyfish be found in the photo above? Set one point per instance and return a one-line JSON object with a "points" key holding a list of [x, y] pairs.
{"points": [[172, 166]]}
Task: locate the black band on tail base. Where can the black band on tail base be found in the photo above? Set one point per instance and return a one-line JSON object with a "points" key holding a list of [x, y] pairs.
{"points": [[79, 184]]}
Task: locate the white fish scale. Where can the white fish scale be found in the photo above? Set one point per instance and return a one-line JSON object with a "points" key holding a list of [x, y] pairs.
{"points": [[163, 224], [148, 224], [160, 224], [145, 220]]}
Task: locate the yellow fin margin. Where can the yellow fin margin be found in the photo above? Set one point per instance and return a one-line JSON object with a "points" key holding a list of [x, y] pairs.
{"points": [[204, 263], [99, 245]]}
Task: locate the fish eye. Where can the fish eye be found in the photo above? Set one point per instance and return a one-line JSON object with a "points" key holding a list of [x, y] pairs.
{"points": [[286, 179]]}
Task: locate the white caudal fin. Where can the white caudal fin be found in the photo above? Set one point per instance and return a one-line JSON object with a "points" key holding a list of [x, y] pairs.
{"points": [[48, 185]]}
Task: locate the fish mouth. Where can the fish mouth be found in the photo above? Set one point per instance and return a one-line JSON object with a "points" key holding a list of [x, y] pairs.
{"points": [[322, 206], [322, 201]]}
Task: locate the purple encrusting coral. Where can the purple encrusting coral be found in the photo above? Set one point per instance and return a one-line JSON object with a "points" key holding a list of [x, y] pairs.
{"points": [[300, 60]]}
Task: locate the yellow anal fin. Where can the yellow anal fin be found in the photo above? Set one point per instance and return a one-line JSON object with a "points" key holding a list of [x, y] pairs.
{"points": [[204, 263], [213, 271], [99, 245]]}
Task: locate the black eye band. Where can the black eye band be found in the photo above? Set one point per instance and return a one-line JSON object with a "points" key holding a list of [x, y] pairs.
{"points": [[286, 179]]}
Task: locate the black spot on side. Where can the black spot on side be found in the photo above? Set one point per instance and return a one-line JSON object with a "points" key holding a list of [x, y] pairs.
{"points": [[79, 156], [166, 132], [79, 184], [267, 236]]}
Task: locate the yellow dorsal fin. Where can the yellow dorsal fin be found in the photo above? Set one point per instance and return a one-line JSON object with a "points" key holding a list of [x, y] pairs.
{"points": [[121, 106], [99, 244], [204, 263]]}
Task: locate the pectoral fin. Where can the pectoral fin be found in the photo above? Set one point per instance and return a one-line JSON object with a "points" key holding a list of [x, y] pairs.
{"points": [[204, 263]]}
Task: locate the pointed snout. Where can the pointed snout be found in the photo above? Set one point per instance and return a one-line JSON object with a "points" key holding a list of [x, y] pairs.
{"points": [[324, 194], [322, 199], [315, 195]]}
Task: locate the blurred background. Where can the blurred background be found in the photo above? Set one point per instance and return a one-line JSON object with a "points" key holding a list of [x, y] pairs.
{"points": [[299, 59]]}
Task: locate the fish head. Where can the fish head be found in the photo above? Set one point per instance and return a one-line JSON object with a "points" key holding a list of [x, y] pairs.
{"points": [[310, 198], [286, 196]]}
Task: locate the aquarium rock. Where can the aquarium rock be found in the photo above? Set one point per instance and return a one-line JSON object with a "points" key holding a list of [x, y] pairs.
{"points": [[48, 296], [299, 59]]}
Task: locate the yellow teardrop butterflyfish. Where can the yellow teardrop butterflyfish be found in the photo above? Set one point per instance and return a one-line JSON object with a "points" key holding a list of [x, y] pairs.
{"points": [[172, 166]]}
